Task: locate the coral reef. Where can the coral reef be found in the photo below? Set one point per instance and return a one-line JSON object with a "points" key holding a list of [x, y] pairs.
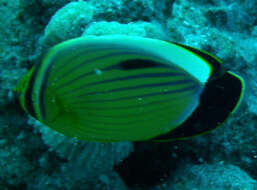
{"points": [[144, 29], [68, 22], [125, 11], [212, 177], [83, 158]]}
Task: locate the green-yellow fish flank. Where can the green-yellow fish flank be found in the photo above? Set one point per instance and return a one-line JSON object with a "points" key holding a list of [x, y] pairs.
{"points": [[116, 88]]}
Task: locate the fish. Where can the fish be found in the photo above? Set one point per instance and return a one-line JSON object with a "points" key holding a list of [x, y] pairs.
{"points": [[125, 88]]}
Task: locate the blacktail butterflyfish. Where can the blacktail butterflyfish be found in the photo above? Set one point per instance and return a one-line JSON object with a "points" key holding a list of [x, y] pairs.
{"points": [[123, 88]]}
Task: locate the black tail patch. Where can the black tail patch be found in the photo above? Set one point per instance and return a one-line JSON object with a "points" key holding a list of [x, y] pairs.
{"points": [[217, 101]]}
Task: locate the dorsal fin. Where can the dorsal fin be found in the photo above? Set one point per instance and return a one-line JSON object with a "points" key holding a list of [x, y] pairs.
{"points": [[215, 63]]}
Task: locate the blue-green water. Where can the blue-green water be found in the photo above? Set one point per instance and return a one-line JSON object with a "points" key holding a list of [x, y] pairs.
{"points": [[35, 157]]}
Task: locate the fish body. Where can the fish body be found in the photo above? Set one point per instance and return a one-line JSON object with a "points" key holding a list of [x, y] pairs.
{"points": [[121, 88]]}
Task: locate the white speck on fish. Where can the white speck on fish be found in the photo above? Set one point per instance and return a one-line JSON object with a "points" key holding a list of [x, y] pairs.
{"points": [[98, 72]]}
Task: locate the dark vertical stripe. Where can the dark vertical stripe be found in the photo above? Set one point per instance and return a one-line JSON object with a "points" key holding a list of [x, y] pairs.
{"points": [[29, 105]]}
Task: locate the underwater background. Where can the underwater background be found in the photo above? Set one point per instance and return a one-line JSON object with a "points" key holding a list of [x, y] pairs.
{"points": [[34, 157]]}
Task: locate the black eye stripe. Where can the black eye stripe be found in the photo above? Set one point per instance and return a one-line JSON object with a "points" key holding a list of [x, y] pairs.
{"points": [[29, 92], [140, 64]]}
